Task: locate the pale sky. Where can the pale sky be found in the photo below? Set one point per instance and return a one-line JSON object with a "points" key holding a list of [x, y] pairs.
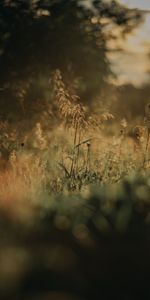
{"points": [[132, 64], [141, 4]]}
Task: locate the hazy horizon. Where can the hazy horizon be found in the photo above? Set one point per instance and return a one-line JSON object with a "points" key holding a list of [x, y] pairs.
{"points": [[132, 64]]}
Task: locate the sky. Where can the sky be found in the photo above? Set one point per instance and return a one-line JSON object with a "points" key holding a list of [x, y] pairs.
{"points": [[133, 64], [141, 4]]}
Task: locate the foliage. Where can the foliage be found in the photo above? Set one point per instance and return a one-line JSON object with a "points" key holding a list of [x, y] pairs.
{"points": [[39, 36], [97, 241], [75, 210], [82, 151], [74, 181]]}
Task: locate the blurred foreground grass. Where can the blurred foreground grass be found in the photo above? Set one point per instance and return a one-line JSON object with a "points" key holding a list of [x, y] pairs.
{"points": [[89, 245]]}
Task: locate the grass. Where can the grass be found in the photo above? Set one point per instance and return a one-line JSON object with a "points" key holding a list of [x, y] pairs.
{"points": [[81, 245], [75, 210], [81, 149], [74, 205]]}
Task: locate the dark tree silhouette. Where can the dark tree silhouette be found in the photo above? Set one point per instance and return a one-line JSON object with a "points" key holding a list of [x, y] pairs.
{"points": [[37, 37]]}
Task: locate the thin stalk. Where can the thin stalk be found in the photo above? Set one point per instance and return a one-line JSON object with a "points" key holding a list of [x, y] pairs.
{"points": [[147, 144], [88, 157], [78, 151], [74, 144]]}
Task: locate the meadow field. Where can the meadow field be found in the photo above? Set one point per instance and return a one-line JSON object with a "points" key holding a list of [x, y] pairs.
{"points": [[74, 150], [75, 206]]}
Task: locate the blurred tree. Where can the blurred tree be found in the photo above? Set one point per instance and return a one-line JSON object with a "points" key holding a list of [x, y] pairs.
{"points": [[37, 37]]}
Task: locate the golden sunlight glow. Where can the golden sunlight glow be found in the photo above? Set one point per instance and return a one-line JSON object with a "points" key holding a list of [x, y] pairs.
{"points": [[132, 64]]}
